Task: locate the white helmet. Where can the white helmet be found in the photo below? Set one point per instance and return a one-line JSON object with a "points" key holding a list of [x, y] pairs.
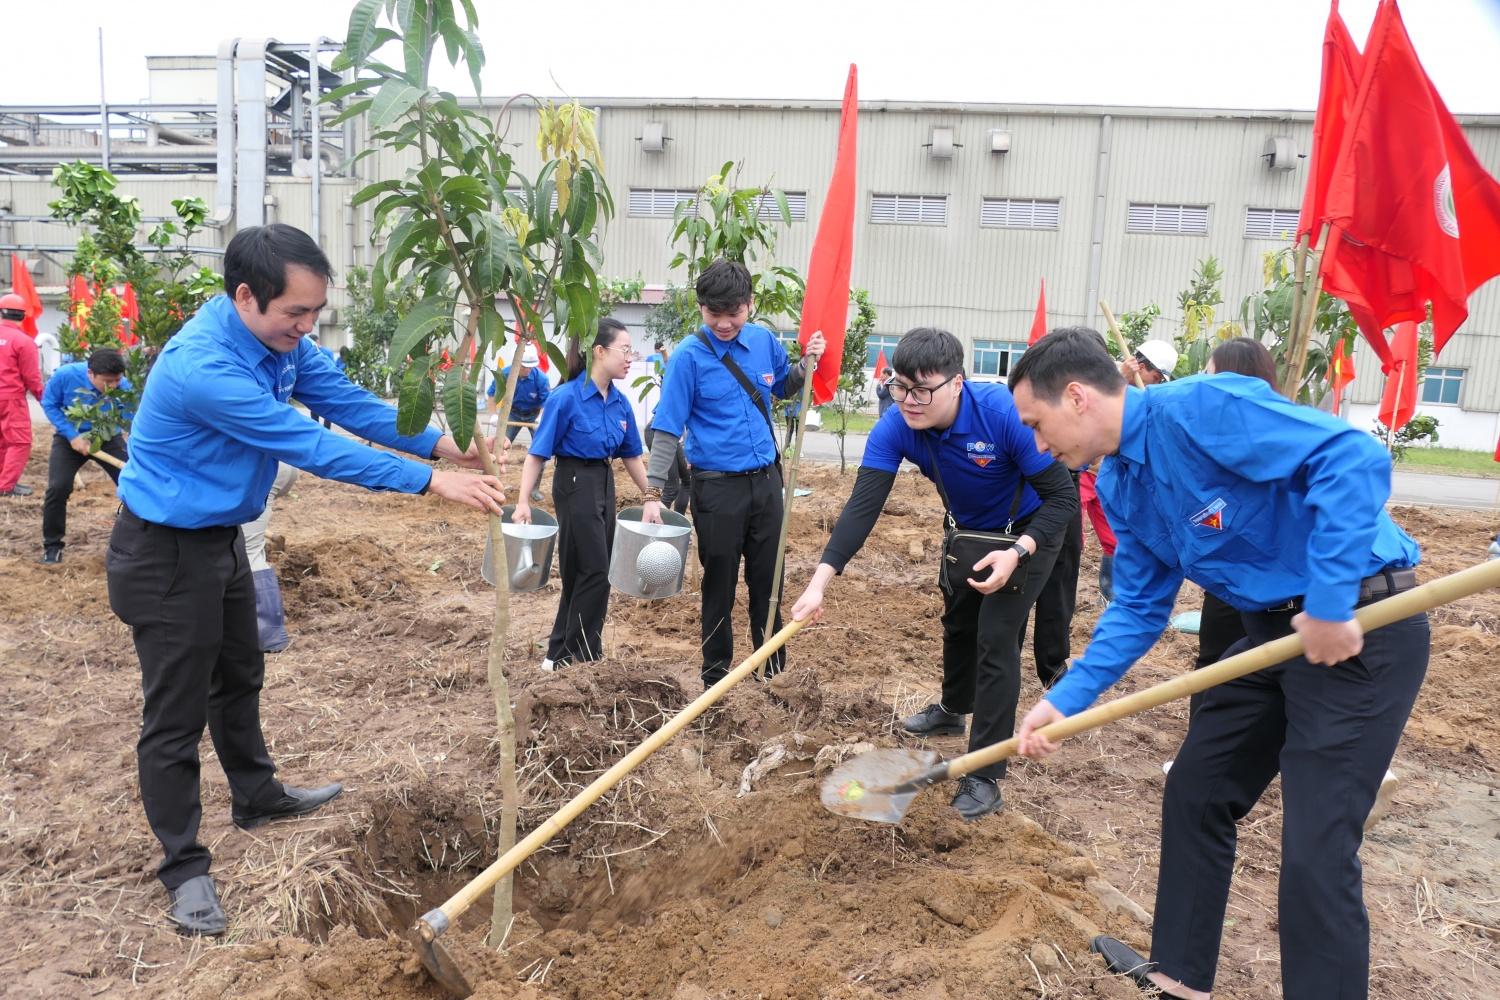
{"points": [[529, 356], [1162, 355]]}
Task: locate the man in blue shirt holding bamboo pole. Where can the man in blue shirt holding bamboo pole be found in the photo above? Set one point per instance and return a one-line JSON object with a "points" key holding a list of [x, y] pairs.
{"points": [[1278, 510], [213, 423]]}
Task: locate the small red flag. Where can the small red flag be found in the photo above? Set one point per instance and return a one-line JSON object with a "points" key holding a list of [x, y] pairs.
{"points": [[1340, 374], [1399, 402], [81, 300], [880, 366], [1039, 322], [22, 285], [130, 310], [825, 304]]}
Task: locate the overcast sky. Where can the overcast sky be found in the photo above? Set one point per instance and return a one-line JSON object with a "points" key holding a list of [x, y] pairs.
{"points": [[1197, 53]]}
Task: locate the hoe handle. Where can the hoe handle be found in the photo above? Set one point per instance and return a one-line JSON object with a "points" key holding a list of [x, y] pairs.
{"points": [[1114, 328], [107, 458], [1373, 616], [436, 921]]}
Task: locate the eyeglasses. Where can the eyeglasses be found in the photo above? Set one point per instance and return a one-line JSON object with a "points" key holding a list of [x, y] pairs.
{"points": [[630, 352], [920, 394]]}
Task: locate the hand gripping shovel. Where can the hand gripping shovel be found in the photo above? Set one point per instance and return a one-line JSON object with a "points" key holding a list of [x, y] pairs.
{"points": [[880, 785], [433, 923]]}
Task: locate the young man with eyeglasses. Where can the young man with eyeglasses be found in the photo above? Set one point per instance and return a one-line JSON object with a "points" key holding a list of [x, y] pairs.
{"points": [[718, 390], [967, 438]]}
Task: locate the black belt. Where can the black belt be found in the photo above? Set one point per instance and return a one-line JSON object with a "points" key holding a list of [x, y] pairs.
{"points": [[581, 461], [126, 512], [1386, 583], [715, 474]]}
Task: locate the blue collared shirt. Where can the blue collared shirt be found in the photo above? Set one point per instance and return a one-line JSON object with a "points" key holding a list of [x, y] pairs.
{"points": [[984, 455], [214, 420], [580, 423], [68, 385], [700, 397], [1223, 481], [531, 391]]}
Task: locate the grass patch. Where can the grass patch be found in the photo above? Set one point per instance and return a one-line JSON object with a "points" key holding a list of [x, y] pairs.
{"points": [[1451, 460]]}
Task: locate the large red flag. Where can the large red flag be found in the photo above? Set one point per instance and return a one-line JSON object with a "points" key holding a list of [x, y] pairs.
{"points": [[1341, 72], [1039, 321], [1340, 374], [825, 306], [1418, 217], [22, 285], [1399, 401]]}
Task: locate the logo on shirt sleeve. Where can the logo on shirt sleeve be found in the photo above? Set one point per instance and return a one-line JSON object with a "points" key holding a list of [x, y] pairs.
{"points": [[622, 425], [769, 378], [981, 453], [1211, 516]]}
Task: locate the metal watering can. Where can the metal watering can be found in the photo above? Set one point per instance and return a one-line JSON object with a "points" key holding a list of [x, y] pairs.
{"points": [[528, 550], [648, 560]]}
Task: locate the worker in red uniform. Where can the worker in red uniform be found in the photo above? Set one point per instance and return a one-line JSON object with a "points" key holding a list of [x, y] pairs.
{"points": [[20, 373]]}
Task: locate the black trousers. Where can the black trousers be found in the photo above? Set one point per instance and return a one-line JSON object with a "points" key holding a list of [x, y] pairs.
{"points": [[1052, 642], [584, 496], [189, 600], [1330, 732], [62, 466], [1219, 630], [982, 654], [736, 517]]}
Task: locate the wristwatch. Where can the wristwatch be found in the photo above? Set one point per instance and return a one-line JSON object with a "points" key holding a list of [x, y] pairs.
{"points": [[1023, 554]]}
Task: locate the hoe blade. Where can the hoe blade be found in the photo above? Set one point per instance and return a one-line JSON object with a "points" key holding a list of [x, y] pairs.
{"points": [[440, 964]]}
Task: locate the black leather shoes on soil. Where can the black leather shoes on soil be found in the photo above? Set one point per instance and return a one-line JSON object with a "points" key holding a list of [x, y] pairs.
{"points": [[293, 802], [977, 797], [195, 908], [934, 721]]}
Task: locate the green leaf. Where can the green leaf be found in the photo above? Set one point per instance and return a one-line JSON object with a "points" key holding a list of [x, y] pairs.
{"points": [[353, 110], [498, 255], [350, 89], [783, 207], [361, 34], [426, 317], [371, 191], [394, 99], [491, 329], [415, 401], [460, 405], [557, 356]]}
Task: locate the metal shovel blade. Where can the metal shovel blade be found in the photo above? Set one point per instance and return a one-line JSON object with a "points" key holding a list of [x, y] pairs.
{"points": [[878, 786], [441, 965]]}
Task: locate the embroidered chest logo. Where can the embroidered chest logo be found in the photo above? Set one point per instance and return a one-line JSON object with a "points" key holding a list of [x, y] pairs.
{"points": [[1211, 516], [981, 453], [768, 378], [286, 380]]}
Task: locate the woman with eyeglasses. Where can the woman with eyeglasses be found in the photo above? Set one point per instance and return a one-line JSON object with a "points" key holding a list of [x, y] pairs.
{"points": [[587, 423]]}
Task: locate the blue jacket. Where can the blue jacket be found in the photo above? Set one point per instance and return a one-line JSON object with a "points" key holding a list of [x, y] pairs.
{"points": [[1221, 480], [214, 420], [531, 391], [68, 385]]}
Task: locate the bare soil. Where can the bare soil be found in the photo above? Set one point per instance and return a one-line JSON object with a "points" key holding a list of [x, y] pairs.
{"points": [[675, 885]]}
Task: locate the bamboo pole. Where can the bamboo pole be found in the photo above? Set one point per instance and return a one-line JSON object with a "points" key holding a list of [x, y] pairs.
{"points": [[1299, 277], [1114, 328], [786, 510], [1298, 360]]}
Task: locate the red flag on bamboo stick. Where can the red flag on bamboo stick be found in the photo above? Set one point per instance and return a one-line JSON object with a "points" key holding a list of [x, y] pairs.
{"points": [[1399, 402], [1039, 321], [1417, 216], [130, 309], [825, 305], [1340, 374], [81, 296], [22, 285], [880, 366]]}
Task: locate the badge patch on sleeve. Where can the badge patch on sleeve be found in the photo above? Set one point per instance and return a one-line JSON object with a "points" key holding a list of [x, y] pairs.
{"points": [[1211, 516], [769, 378], [622, 425]]}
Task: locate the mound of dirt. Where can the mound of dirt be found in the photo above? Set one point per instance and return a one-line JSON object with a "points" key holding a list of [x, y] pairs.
{"points": [[337, 575]]}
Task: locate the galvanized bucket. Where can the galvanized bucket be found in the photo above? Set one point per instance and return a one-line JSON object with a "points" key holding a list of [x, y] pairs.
{"points": [[649, 560], [528, 550]]}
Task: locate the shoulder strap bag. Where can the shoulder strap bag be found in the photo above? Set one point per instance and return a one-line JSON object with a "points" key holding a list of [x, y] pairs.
{"points": [[963, 548]]}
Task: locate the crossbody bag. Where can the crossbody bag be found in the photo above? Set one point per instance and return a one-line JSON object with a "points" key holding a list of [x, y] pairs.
{"points": [[750, 389], [963, 548]]}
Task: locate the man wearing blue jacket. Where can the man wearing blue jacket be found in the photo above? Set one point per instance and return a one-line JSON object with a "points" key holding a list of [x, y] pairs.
{"points": [[213, 423], [1278, 510], [78, 382]]}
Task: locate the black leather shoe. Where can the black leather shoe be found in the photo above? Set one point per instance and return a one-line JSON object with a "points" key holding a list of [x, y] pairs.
{"points": [[1123, 960], [977, 797], [293, 802], [934, 721], [195, 908], [50, 557]]}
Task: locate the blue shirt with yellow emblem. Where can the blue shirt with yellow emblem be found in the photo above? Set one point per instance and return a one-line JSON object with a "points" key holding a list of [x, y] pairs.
{"points": [[1220, 479], [68, 385], [579, 422]]}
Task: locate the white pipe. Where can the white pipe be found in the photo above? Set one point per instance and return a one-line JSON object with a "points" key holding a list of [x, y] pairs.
{"points": [[314, 108]]}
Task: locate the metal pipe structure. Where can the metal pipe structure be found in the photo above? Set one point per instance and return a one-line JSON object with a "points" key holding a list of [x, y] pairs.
{"points": [[224, 192], [1096, 231], [315, 109], [103, 106]]}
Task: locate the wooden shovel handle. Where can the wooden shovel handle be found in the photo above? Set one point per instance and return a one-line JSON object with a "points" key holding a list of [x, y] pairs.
{"points": [[1114, 328], [1370, 617], [512, 858], [107, 459]]}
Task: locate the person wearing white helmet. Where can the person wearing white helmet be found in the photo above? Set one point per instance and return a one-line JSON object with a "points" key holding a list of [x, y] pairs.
{"points": [[1154, 362], [526, 407]]}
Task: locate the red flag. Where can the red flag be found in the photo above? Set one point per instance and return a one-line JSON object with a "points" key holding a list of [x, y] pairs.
{"points": [[1340, 374], [1341, 73], [1399, 402], [1039, 322], [130, 309], [1418, 217], [880, 366], [825, 305], [22, 285], [81, 300]]}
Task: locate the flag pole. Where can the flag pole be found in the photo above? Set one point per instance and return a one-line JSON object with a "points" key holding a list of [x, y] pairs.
{"points": [[1298, 360], [1299, 286], [786, 510]]}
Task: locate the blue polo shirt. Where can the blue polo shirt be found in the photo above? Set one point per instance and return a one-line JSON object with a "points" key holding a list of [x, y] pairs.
{"points": [[68, 385], [531, 391], [214, 421], [985, 455], [1223, 481], [581, 423], [701, 398]]}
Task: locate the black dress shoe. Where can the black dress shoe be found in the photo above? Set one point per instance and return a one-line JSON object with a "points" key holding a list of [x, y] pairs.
{"points": [[977, 797], [934, 720], [195, 908], [293, 802], [50, 557], [1123, 960]]}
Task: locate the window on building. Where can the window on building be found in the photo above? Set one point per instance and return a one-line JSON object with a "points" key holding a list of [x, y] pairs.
{"points": [[1442, 385], [520, 193], [877, 342], [1182, 220], [994, 357], [796, 204], [658, 203], [1019, 213], [1270, 223], [909, 209]]}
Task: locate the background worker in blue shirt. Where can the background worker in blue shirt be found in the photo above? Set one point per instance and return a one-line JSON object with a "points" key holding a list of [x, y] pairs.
{"points": [[78, 382], [736, 485], [587, 423], [213, 422], [531, 396], [1278, 510], [965, 436]]}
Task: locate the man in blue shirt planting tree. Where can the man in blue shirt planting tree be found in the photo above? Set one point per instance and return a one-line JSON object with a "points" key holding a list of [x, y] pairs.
{"points": [[1278, 510], [213, 422], [79, 382]]}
